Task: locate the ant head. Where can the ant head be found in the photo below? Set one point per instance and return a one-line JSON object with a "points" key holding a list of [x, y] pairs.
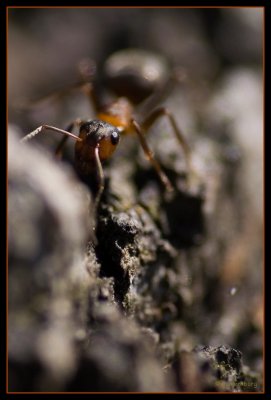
{"points": [[97, 133]]}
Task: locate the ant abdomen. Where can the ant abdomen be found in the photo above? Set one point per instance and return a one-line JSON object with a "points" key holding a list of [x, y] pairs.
{"points": [[135, 73]]}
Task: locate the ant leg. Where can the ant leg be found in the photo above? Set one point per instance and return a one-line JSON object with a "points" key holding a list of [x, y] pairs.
{"points": [[160, 112], [94, 96], [87, 70], [87, 85], [55, 96], [164, 179], [46, 128], [58, 150], [100, 177]]}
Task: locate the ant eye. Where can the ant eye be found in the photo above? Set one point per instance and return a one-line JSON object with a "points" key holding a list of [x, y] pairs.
{"points": [[115, 137]]}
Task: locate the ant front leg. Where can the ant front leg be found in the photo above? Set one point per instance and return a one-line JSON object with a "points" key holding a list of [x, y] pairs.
{"points": [[160, 112], [70, 128], [164, 179]]}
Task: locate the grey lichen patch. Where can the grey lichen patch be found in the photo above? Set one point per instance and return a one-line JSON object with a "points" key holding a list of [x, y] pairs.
{"points": [[225, 370]]}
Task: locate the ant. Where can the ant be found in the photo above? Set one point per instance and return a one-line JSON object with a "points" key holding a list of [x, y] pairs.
{"points": [[98, 138]]}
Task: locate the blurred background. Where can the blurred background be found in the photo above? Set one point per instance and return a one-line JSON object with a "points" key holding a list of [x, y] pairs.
{"points": [[220, 51]]}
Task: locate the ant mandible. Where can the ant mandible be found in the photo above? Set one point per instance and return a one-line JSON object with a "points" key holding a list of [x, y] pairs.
{"points": [[98, 138]]}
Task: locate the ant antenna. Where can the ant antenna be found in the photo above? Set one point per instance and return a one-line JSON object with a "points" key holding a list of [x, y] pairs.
{"points": [[100, 176], [45, 128]]}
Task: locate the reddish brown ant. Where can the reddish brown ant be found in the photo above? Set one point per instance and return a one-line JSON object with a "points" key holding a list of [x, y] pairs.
{"points": [[98, 138]]}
